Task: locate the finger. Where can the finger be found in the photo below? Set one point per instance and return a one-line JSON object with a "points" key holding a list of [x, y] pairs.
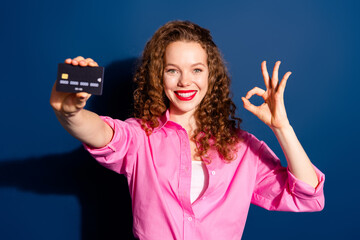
{"points": [[72, 61], [88, 62], [83, 63], [257, 91], [265, 74], [275, 75], [79, 58], [83, 95], [283, 82], [249, 106], [91, 62], [55, 101], [76, 61]]}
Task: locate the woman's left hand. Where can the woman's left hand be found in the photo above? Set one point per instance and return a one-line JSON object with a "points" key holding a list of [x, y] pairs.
{"points": [[272, 112]]}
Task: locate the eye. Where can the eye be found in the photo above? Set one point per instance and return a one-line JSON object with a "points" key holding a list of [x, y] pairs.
{"points": [[171, 71], [197, 70]]}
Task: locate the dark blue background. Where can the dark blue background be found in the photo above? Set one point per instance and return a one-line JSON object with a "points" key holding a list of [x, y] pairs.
{"points": [[51, 189]]}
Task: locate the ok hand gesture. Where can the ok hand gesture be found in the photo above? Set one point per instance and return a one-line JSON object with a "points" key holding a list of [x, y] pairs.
{"points": [[272, 112]]}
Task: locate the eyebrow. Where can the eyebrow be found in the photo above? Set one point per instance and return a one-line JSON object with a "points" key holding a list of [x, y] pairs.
{"points": [[192, 65], [199, 63]]}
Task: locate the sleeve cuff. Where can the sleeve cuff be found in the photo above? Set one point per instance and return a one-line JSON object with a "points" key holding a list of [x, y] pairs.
{"points": [[304, 190]]}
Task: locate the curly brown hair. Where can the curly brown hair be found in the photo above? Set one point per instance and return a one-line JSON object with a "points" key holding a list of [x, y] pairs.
{"points": [[217, 125]]}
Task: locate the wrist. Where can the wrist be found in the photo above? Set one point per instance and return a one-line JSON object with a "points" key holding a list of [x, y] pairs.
{"points": [[70, 117], [283, 129]]}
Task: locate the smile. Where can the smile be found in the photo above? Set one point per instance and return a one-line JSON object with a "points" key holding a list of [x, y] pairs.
{"points": [[185, 95]]}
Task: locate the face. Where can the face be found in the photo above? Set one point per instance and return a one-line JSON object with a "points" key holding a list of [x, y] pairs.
{"points": [[186, 76]]}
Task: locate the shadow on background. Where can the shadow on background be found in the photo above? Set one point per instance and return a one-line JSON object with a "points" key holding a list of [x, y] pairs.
{"points": [[103, 195]]}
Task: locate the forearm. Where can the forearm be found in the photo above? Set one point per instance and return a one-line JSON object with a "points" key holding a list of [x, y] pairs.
{"points": [[87, 127], [297, 159]]}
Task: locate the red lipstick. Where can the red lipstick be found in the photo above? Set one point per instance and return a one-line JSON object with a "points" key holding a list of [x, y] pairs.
{"points": [[185, 95]]}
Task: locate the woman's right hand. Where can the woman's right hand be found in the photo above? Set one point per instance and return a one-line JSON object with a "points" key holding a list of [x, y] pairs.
{"points": [[68, 104], [84, 125]]}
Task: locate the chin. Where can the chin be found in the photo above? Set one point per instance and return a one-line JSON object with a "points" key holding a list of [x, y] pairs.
{"points": [[183, 109]]}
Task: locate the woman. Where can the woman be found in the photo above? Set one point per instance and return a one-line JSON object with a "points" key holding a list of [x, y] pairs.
{"points": [[192, 172]]}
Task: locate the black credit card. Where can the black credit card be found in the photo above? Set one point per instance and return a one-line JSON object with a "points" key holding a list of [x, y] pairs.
{"points": [[75, 79]]}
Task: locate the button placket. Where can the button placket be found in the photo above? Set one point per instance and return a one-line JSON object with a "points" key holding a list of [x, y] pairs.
{"points": [[185, 177]]}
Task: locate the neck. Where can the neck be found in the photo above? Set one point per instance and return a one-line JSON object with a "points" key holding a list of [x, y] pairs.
{"points": [[186, 120]]}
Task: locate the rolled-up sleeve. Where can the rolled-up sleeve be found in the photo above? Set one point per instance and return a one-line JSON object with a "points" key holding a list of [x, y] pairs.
{"points": [[115, 155], [276, 188], [304, 190]]}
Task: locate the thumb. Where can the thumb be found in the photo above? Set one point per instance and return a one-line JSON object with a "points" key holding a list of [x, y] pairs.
{"points": [[249, 106], [81, 99]]}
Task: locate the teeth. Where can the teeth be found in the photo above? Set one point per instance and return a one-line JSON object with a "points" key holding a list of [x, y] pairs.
{"points": [[186, 94]]}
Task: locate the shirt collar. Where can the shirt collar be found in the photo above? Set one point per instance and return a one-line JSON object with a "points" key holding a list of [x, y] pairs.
{"points": [[163, 120]]}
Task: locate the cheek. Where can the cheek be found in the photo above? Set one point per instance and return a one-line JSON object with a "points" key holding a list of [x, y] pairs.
{"points": [[169, 82], [167, 86], [204, 81]]}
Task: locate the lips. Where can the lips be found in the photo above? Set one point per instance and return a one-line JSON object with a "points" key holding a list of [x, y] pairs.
{"points": [[185, 95]]}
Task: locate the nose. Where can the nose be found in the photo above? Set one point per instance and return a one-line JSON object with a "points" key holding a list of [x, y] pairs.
{"points": [[184, 80]]}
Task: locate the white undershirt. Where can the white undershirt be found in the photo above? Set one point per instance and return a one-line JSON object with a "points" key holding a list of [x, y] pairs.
{"points": [[199, 180]]}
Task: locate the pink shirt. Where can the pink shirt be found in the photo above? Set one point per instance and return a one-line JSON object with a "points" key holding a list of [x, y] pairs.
{"points": [[158, 170]]}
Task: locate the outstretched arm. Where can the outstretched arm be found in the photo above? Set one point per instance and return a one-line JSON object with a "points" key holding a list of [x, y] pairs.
{"points": [[272, 112], [84, 125]]}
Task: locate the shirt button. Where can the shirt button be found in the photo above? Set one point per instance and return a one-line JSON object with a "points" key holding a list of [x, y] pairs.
{"points": [[190, 219], [213, 172]]}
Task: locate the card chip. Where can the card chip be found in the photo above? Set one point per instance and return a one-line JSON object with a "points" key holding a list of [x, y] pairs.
{"points": [[64, 76]]}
